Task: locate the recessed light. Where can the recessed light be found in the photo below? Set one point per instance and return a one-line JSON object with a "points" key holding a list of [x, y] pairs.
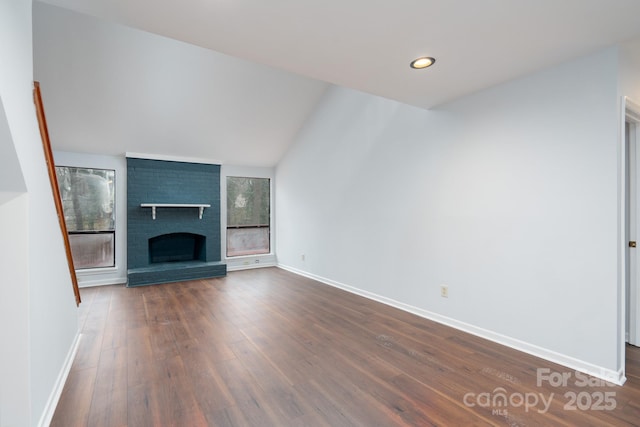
{"points": [[423, 62]]}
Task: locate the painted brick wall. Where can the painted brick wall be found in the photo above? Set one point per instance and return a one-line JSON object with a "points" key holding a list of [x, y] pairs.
{"points": [[157, 181]]}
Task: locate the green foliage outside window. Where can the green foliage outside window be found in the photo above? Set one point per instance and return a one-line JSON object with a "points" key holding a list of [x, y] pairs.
{"points": [[247, 201], [87, 198]]}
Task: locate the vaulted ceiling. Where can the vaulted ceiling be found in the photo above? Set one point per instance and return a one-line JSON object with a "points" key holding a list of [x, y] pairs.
{"points": [[234, 80]]}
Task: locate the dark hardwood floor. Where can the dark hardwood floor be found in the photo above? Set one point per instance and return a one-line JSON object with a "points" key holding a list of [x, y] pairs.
{"points": [[269, 348]]}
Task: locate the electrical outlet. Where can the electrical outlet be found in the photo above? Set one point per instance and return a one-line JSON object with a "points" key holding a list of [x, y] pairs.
{"points": [[257, 261], [444, 291]]}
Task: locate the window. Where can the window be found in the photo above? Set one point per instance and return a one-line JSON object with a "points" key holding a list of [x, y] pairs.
{"points": [[248, 214], [88, 199]]}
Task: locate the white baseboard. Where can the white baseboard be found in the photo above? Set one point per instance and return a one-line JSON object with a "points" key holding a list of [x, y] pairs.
{"points": [[54, 397], [92, 283], [98, 277], [239, 267], [615, 377]]}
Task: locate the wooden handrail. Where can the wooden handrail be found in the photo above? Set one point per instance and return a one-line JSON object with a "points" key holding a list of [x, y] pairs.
{"points": [[53, 179]]}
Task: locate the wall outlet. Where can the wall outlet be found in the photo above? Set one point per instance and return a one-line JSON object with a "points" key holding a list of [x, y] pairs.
{"points": [[303, 257], [257, 261], [444, 291]]}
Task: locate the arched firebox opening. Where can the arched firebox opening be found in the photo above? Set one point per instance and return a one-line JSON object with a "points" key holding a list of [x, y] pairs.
{"points": [[176, 247]]}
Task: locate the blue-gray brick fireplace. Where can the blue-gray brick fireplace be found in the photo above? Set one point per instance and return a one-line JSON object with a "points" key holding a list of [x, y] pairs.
{"points": [[173, 221]]}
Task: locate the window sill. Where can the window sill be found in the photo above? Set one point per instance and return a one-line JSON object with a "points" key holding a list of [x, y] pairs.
{"points": [[97, 270]]}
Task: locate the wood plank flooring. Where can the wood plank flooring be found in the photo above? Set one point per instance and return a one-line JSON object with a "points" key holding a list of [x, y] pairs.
{"points": [[269, 348]]}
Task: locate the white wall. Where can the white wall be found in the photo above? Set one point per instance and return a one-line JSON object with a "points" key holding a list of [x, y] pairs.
{"points": [[250, 261], [11, 180], [43, 295], [117, 274], [14, 294], [14, 318], [508, 196]]}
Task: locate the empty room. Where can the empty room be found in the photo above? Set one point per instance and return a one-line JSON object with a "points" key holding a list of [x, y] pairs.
{"points": [[340, 213]]}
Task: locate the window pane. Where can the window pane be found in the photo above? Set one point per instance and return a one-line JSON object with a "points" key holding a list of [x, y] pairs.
{"points": [[247, 241], [87, 198], [92, 250], [247, 201], [248, 216]]}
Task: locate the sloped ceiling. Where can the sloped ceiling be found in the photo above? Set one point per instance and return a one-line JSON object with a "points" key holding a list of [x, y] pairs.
{"points": [[110, 89], [162, 96]]}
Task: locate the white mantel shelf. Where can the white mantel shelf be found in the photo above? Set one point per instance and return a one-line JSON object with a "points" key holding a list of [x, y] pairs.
{"points": [[153, 207]]}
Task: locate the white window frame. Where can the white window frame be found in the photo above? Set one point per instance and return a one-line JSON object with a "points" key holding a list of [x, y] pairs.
{"points": [[247, 261]]}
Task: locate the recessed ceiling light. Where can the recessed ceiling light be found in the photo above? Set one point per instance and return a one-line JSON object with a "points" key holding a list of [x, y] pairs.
{"points": [[423, 62]]}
